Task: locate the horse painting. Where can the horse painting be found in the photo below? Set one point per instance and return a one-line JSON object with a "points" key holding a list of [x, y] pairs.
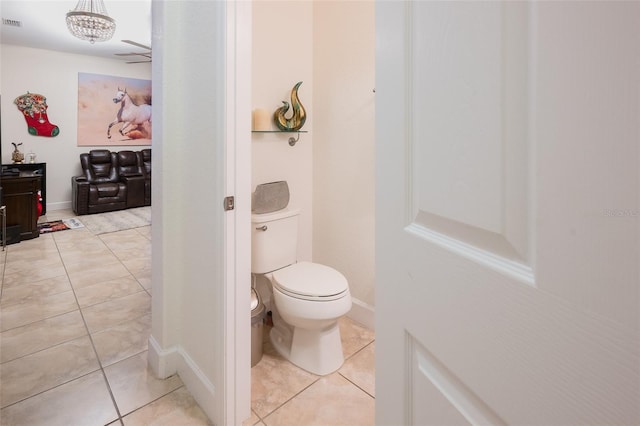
{"points": [[129, 113]]}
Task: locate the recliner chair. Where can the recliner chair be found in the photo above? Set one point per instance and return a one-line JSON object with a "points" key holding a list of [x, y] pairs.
{"points": [[100, 189], [145, 161], [130, 172]]}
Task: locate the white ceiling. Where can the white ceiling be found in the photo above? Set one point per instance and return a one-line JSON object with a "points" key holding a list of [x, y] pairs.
{"points": [[44, 27]]}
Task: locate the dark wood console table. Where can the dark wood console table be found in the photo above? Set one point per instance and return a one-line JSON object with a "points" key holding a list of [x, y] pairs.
{"points": [[19, 194], [36, 169]]}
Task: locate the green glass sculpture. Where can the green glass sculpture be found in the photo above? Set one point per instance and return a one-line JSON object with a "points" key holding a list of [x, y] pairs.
{"points": [[299, 114]]}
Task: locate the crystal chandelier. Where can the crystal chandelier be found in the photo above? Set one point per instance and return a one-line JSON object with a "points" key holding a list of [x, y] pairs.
{"points": [[89, 21]]}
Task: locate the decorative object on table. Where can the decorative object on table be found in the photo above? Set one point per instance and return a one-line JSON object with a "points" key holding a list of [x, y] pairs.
{"points": [[31, 157], [299, 114], [270, 197], [261, 120], [102, 105], [90, 21], [34, 108], [17, 157]]}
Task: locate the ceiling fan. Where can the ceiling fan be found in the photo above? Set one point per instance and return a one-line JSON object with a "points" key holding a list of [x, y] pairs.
{"points": [[143, 54]]}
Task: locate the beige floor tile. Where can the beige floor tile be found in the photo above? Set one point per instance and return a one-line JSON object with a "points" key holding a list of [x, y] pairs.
{"points": [[332, 400], [34, 290], [126, 243], [35, 373], [89, 260], [57, 215], [360, 369], [144, 278], [140, 268], [253, 420], [123, 341], [32, 249], [137, 266], [354, 336], [26, 261], [82, 247], [134, 385], [274, 380], [27, 265], [176, 408], [107, 290], [20, 314], [111, 269], [145, 231], [133, 253], [64, 239], [36, 272], [113, 312], [40, 335], [80, 402]]}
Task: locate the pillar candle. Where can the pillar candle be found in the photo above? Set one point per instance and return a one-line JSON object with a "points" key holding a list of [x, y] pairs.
{"points": [[261, 119]]}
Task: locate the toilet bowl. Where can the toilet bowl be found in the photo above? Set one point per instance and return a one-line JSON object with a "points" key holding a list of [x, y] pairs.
{"points": [[309, 298]]}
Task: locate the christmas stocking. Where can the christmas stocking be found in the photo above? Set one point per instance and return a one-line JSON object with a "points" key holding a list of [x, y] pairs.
{"points": [[34, 108]]}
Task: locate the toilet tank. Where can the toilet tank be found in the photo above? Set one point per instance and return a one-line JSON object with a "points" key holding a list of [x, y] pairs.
{"points": [[274, 240]]}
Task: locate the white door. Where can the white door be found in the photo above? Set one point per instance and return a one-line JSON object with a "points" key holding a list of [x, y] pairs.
{"points": [[507, 213]]}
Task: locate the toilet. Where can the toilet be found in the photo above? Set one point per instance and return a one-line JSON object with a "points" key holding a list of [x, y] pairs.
{"points": [[309, 298]]}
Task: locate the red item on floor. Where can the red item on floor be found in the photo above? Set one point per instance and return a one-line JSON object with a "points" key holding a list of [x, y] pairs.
{"points": [[39, 202]]}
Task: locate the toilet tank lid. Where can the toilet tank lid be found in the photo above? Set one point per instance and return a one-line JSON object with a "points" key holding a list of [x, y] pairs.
{"points": [[311, 279], [270, 217]]}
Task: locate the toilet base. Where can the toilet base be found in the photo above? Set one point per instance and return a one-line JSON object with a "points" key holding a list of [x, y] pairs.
{"points": [[316, 351]]}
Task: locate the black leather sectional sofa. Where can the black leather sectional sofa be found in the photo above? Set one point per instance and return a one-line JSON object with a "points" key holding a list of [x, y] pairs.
{"points": [[112, 181]]}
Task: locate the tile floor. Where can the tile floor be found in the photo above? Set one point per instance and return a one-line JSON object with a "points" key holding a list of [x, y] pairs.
{"points": [[75, 317]]}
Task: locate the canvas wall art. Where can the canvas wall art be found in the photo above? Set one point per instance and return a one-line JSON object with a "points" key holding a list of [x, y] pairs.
{"points": [[113, 111]]}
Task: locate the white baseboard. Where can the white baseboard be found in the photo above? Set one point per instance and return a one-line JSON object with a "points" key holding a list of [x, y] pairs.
{"points": [[202, 390], [167, 362], [62, 205], [362, 313], [163, 362]]}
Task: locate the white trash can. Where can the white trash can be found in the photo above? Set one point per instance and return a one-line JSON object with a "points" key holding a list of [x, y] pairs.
{"points": [[257, 325]]}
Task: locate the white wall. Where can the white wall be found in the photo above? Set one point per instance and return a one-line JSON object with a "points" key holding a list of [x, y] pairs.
{"points": [[54, 75], [282, 56], [344, 141], [330, 46]]}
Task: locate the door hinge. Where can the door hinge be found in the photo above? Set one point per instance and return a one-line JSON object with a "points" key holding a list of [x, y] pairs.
{"points": [[229, 203]]}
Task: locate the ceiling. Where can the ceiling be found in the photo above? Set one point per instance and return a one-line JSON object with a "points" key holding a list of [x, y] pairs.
{"points": [[43, 26]]}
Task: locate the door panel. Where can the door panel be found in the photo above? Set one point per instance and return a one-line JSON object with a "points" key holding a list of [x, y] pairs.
{"points": [[467, 151], [507, 213]]}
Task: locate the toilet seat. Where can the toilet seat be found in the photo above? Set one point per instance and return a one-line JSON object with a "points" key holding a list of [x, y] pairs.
{"points": [[311, 281]]}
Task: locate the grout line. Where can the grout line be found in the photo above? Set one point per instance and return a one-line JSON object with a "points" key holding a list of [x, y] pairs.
{"points": [[52, 388], [356, 385], [95, 351], [120, 260], [48, 347], [88, 334], [285, 402], [157, 399], [112, 299], [41, 319], [359, 350]]}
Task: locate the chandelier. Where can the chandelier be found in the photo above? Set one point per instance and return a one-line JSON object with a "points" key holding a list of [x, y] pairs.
{"points": [[89, 21]]}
